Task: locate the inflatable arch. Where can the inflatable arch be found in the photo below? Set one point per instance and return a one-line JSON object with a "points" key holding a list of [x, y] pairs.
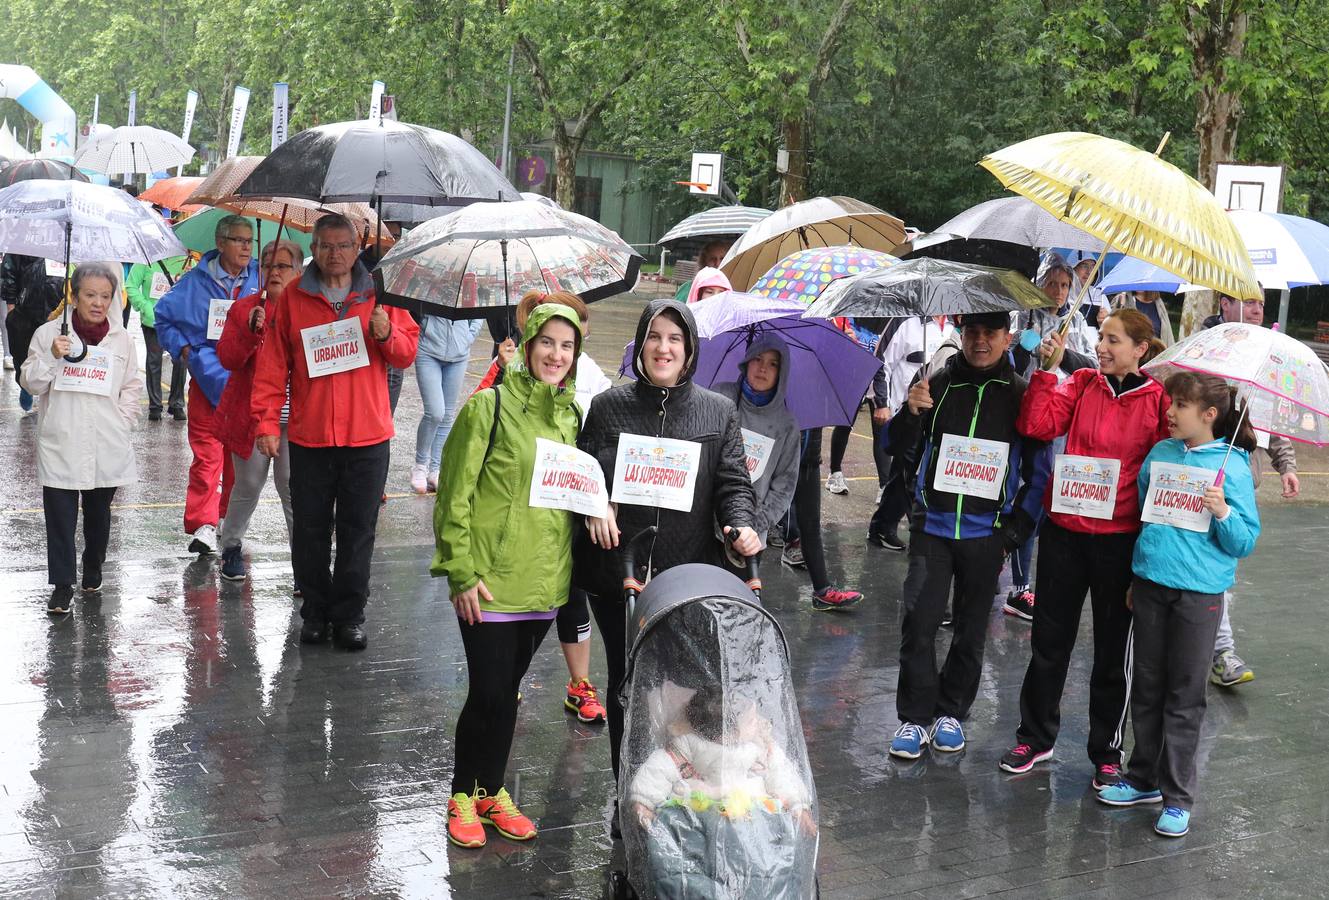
{"points": [[59, 125]]}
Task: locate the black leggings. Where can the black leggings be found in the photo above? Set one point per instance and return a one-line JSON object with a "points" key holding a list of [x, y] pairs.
{"points": [[497, 656], [574, 619], [840, 443], [807, 509], [610, 618]]}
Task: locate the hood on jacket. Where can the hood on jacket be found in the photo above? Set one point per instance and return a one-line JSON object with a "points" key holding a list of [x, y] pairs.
{"points": [[708, 277], [536, 320], [689, 325], [764, 342]]}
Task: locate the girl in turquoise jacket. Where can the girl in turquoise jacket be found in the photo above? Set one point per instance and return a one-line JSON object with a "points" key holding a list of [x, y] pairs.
{"points": [[1196, 526], [508, 564]]}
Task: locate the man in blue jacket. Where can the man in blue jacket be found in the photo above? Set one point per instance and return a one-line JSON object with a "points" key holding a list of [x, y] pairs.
{"points": [[977, 498], [189, 322]]}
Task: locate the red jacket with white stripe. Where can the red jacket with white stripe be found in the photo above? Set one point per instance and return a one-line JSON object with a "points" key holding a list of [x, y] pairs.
{"points": [[1097, 422], [344, 409]]}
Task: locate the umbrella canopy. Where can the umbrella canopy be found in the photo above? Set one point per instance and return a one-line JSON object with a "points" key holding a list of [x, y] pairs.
{"points": [[928, 287], [218, 190], [819, 222], [1285, 251], [719, 221], [134, 148], [392, 162], [828, 371], [540, 198], [978, 251], [1134, 201], [805, 274], [198, 232], [46, 169], [485, 256], [1285, 385], [1017, 220], [82, 223], [173, 193]]}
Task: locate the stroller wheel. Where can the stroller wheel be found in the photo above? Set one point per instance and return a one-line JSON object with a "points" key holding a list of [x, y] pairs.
{"points": [[619, 888]]}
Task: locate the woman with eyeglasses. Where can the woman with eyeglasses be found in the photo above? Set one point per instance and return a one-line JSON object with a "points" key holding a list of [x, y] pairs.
{"points": [[279, 264]]}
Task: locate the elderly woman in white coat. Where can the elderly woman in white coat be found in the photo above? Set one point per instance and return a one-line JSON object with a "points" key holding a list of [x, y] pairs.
{"points": [[84, 415]]}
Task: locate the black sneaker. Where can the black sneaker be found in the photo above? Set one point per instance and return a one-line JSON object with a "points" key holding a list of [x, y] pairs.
{"points": [[92, 580], [154, 415], [889, 541], [179, 415], [62, 599], [1020, 605], [233, 564], [1021, 758]]}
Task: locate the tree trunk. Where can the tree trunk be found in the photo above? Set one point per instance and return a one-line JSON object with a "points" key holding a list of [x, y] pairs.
{"points": [[1217, 34], [1217, 117], [565, 168], [794, 181]]}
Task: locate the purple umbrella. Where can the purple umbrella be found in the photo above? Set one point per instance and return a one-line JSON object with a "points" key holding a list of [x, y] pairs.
{"points": [[828, 371]]}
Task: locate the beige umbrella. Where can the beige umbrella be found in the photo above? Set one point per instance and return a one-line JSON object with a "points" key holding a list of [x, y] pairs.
{"points": [[218, 190], [819, 222]]}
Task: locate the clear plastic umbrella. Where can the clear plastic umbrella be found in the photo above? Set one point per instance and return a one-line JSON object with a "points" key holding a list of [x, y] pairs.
{"points": [[134, 148], [485, 256]]}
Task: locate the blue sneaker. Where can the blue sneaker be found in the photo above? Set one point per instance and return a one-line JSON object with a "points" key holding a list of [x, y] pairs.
{"points": [[909, 741], [233, 564], [1174, 822], [1123, 793], [947, 735]]}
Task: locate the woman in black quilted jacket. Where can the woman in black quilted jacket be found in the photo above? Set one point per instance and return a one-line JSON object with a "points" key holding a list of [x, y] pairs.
{"points": [[662, 403]]}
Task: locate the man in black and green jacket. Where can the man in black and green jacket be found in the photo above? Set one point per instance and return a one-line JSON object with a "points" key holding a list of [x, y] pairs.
{"points": [[977, 498]]}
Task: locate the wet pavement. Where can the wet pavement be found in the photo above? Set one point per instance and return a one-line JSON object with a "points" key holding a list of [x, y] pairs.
{"points": [[172, 739]]}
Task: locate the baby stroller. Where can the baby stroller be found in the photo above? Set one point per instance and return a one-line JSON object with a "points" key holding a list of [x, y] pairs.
{"points": [[715, 793]]}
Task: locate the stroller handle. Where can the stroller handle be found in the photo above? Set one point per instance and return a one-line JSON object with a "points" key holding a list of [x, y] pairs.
{"points": [[750, 573], [632, 586]]}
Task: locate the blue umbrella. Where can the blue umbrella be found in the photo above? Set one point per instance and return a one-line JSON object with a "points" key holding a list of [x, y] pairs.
{"points": [[828, 371]]}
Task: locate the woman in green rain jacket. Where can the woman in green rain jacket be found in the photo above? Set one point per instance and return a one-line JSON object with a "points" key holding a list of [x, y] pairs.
{"points": [[508, 564]]}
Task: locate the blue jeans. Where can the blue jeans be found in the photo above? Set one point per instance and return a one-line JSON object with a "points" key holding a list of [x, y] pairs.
{"points": [[440, 385]]}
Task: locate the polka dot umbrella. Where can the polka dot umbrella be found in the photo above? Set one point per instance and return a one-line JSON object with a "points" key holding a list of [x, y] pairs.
{"points": [[804, 274]]}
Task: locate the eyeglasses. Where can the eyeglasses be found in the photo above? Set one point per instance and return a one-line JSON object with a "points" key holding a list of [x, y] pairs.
{"points": [[277, 267], [243, 242], [343, 247]]}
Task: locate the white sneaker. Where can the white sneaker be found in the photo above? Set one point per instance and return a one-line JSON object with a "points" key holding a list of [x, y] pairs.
{"points": [[835, 483], [432, 482], [205, 540], [419, 483], [9, 363]]}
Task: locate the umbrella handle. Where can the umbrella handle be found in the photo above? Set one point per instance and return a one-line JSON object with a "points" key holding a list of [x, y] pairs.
{"points": [[64, 324], [1222, 470]]}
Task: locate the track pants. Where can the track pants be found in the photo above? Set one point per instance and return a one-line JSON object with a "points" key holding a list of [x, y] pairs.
{"points": [[250, 477], [1173, 642], [973, 564], [1070, 565], [210, 468], [497, 656]]}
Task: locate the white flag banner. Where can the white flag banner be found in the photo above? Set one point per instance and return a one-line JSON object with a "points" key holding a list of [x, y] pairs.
{"points": [[390, 107], [133, 107], [238, 109], [96, 109], [191, 104], [376, 102], [280, 111]]}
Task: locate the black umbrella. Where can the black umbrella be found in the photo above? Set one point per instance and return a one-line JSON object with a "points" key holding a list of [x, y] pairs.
{"points": [[979, 251], [29, 169], [928, 287], [378, 162]]}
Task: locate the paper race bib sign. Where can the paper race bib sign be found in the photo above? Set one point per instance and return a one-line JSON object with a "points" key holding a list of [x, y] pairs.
{"points": [[217, 310], [566, 478], [94, 374], [757, 450], [1176, 496], [55, 268], [971, 466], [653, 471], [160, 285], [336, 347], [1085, 486]]}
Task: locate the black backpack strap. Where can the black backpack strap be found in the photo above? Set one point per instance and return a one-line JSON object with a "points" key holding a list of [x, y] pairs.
{"points": [[493, 429]]}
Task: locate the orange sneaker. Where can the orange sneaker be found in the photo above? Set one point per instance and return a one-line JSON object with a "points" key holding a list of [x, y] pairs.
{"points": [[502, 813], [464, 827], [583, 700]]}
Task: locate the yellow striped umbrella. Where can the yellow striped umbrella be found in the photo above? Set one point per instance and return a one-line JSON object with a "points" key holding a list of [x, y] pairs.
{"points": [[1134, 201]]}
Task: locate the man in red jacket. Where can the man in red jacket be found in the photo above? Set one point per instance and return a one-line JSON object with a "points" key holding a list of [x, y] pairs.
{"points": [[333, 343]]}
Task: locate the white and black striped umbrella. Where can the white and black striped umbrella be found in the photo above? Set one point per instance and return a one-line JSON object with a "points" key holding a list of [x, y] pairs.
{"points": [[134, 148], [720, 221]]}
